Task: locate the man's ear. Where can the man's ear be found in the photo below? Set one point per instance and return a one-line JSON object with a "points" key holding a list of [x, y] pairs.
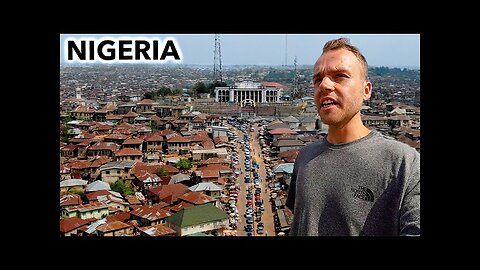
{"points": [[367, 90]]}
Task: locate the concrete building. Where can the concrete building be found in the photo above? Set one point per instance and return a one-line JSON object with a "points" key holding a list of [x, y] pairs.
{"points": [[199, 218], [117, 170], [96, 210], [203, 154], [263, 92]]}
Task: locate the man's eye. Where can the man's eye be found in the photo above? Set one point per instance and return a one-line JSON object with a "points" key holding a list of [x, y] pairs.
{"points": [[341, 75]]}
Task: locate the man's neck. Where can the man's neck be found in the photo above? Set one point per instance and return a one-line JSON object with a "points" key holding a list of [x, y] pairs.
{"points": [[350, 132]]}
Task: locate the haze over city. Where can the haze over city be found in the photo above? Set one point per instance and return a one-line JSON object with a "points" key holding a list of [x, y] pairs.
{"points": [[389, 50]]}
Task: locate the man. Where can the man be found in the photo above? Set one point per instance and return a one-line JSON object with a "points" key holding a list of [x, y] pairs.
{"points": [[355, 181]]}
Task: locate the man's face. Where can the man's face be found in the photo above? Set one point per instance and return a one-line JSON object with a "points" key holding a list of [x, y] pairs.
{"points": [[340, 87]]}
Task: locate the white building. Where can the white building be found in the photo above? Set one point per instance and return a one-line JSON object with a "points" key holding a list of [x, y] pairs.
{"points": [[263, 92]]}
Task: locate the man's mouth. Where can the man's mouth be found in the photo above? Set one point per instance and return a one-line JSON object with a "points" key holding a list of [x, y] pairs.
{"points": [[327, 103]]}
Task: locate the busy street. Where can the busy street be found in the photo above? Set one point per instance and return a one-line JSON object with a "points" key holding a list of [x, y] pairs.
{"points": [[254, 218]]}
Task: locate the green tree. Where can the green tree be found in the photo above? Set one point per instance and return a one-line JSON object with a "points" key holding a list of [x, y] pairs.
{"points": [[67, 119], [121, 188], [184, 164], [64, 134], [81, 193], [211, 86], [118, 186], [200, 87], [161, 171], [127, 191], [177, 92], [154, 127], [164, 91], [149, 95]]}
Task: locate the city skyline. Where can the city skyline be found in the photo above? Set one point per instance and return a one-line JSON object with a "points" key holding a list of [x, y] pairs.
{"points": [[390, 50]]}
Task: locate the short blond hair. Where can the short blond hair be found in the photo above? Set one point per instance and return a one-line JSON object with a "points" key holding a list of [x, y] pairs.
{"points": [[344, 43]]}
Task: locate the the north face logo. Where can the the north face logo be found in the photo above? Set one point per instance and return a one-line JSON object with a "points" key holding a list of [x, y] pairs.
{"points": [[363, 193]]}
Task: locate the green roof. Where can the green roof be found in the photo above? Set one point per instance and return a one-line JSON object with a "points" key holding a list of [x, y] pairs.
{"points": [[196, 215], [199, 234]]}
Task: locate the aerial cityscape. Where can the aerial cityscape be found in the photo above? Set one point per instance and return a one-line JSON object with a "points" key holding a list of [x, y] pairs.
{"points": [[200, 150]]}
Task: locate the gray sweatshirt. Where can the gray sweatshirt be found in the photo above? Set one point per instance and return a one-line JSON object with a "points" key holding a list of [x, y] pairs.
{"points": [[370, 186]]}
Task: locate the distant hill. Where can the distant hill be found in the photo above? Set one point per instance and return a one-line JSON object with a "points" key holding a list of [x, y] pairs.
{"points": [[396, 71]]}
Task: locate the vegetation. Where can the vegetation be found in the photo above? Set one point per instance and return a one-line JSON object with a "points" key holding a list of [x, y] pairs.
{"points": [[162, 92], [184, 164], [67, 119], [394, 72], [211, 86], [149, 95], [154, 127], [200, 88], [78, 192], [161, 171], [120, 187], [128, 191], [278, 75], [64, 134]]}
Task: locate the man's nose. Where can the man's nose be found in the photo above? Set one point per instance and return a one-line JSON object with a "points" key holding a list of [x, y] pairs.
{"points": [[326, 85]]}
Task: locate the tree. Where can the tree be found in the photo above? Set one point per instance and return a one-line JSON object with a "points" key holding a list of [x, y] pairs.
{"points": [[118, 186], [161, 171], [79, 192], [200, 87], [177, 92], [149, 95], [164, 91], [211, 86], [64, 134], [127, 191], [67, 119], [184, 164], [155, 127]]}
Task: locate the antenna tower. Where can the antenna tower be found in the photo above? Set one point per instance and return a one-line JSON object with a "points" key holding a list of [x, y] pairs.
{"points": [[295, 78], [286, 35], [217, 60]]}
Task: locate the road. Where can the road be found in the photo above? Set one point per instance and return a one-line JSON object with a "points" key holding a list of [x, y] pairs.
{"points": [[267, 217]]}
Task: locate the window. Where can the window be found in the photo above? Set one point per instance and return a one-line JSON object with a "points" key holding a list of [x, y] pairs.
{"points": [[107, 172]]}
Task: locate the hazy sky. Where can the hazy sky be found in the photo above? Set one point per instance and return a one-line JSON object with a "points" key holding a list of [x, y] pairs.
{"points": [[392, 50]]}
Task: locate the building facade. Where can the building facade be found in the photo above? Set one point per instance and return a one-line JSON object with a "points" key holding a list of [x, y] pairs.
{"points": [[263, 92]]}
